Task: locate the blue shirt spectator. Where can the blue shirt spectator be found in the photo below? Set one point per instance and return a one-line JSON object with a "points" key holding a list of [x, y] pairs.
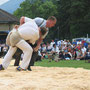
{"points": [[74, 42]]}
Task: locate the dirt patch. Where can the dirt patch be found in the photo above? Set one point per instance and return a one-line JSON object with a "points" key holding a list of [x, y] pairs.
{"points": [[45, 78]]}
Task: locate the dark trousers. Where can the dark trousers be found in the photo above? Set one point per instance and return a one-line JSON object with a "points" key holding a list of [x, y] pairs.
{"points": [[33, 59], [17, 57]]}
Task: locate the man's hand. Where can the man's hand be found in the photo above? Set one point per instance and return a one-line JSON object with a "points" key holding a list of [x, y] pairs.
{"points": [[16, 26], [36, 48]]}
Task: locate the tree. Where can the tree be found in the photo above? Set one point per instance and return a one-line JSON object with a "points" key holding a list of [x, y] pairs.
{"points": [[37, 8], [74, 18]]}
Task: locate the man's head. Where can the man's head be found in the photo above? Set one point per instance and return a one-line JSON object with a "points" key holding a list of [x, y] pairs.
{"points": [[51, 21]]}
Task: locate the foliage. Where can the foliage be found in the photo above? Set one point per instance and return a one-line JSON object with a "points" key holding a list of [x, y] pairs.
{"points": [[37, 9], [72, 16]]}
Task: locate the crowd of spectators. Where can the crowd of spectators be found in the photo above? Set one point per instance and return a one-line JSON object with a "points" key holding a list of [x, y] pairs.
{"points": [[59, 50], [65, 50]]}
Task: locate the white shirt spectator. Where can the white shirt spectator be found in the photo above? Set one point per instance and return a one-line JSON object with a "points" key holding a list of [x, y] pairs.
{"points": [[59, 43], [55, 50], [44, 48], [52, 43], [83, 50], [79, 42], [39, 53], [65, 43], [49, 47]]}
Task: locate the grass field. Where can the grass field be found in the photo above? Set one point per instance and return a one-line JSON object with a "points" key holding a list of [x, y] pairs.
{"points": [[64, 63]]}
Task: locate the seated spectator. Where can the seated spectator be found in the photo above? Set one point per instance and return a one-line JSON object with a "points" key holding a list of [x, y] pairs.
{"points": [[83, 41], [88, 47], [61, 56], [39, 56], [48, 51], [82, 53], [65, 42], [1, 51], [74, 42], [52, 43], [73, 52], [55, 53], [79, 42], [88, 56], [68, 42], [83, 49], [67, 56], [63, 47], [48, 48], [86, 44], [78, 50], [59, 43], [43, 50], [5, 49]]}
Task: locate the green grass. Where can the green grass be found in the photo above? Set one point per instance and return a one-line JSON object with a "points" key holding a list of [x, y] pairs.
{"points": [[64, 63]]}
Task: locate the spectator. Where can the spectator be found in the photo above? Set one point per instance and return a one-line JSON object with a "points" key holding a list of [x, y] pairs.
{"points": [[65, 42], [55, 53], [74, 42], [59, 43], [5, 49], [52, 43], [43, 50], [39, 56], [1, 51], [48, 47], [86, 44], [68, 42], [79, 42], [61, 56], [88, 56], [67, 56]]}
